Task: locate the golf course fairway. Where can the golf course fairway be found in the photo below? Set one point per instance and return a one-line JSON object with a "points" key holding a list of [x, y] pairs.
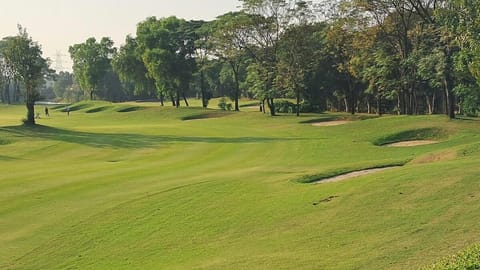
{"points": [[139, 186]]}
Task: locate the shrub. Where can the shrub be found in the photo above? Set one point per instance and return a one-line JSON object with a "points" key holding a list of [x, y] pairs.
{"points": [[284, 106], [468, 259], [223, 105]]}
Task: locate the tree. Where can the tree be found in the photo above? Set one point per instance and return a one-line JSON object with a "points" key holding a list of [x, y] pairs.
{"points": [[167, 46], [91, 62], [24, 56], [63, 81], [297, 46], [264, 26], [228, 43], [202, 32], [129, 66]]}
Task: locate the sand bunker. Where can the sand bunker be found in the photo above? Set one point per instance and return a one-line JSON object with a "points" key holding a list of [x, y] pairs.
{"points": [[330, 123], [353, 174], [411, 143]]}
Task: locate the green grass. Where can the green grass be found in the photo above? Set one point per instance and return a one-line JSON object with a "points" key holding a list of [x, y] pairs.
{"points": [[468, 259], [148, 190]]}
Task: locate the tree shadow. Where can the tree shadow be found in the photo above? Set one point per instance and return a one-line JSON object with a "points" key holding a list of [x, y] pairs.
{"points": [[124, 140], [7, 158]]}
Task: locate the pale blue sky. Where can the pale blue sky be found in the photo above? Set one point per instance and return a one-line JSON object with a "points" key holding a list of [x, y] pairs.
{"points": [[57, 24]]}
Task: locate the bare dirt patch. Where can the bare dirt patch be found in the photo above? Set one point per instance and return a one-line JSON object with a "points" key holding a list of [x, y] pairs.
{"points": [[330, 123], [436, 157], [411, 143], [353, 174]]}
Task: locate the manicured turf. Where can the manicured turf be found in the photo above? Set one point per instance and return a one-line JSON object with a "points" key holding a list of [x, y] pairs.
{"points": [[136, 186]]}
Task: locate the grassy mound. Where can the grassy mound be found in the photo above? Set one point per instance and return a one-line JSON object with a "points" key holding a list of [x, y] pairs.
{"points": [[98, 109], [205, 115], [148, 190], [345, 117], [4, 141], [127, 109], [307, 179], [57, 107], [411, 135]]}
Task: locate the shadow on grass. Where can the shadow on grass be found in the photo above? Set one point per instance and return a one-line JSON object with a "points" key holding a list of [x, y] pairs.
{"points": [[7, 158], [123, 140], [329, 118]]}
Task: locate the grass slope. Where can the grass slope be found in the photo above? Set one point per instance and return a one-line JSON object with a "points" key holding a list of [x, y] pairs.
{"points": [[144, 189]]}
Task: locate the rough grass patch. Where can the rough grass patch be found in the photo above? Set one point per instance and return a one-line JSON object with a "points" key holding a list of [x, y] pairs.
{"points": [[471, 150], [4, 141], [468, 259], [411, 135]]}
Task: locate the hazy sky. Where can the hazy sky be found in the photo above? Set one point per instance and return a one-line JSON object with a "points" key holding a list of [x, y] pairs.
{"points": [[57, 24]]}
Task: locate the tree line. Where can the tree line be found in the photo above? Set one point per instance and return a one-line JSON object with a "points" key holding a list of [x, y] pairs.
{"points": [[375, 56]]}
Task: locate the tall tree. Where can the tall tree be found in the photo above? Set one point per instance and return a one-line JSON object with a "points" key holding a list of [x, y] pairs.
{"points": [[228, 44], [62, 83], [297, 48], [128, 64], [265, 25], [202, 32], [24, 56], [168, 48], [91, 62]]}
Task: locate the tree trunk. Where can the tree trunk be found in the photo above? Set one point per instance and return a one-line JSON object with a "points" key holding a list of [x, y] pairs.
{"points": [[185, 99], [434, 98], [16, 92], [450, 99], [202, 88], [30, 103], [6, 91], [399, 105], [298, 102], [352, 104], [177, 99], [237, 85], [30, 113], [91, 94], [161, 99], [271, 106], [429, 105], [379, 105], [448, 83]]}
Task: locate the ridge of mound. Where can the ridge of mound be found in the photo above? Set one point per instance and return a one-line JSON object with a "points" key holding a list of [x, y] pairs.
{"points": [[98, 109], [412, 137], [204, 116], [411, 143], [130, 109]]}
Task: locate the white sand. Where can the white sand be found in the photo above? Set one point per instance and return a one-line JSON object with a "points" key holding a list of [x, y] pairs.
{"points": [[330, 123], [353, 174], [411, 143]]}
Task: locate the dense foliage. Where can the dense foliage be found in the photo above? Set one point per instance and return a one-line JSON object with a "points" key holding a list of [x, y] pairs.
{"points": [[374, 56]]}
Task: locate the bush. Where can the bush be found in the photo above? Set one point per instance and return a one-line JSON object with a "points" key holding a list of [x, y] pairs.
{"points": [[468, 259], [285, 106], [223, 105]]}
